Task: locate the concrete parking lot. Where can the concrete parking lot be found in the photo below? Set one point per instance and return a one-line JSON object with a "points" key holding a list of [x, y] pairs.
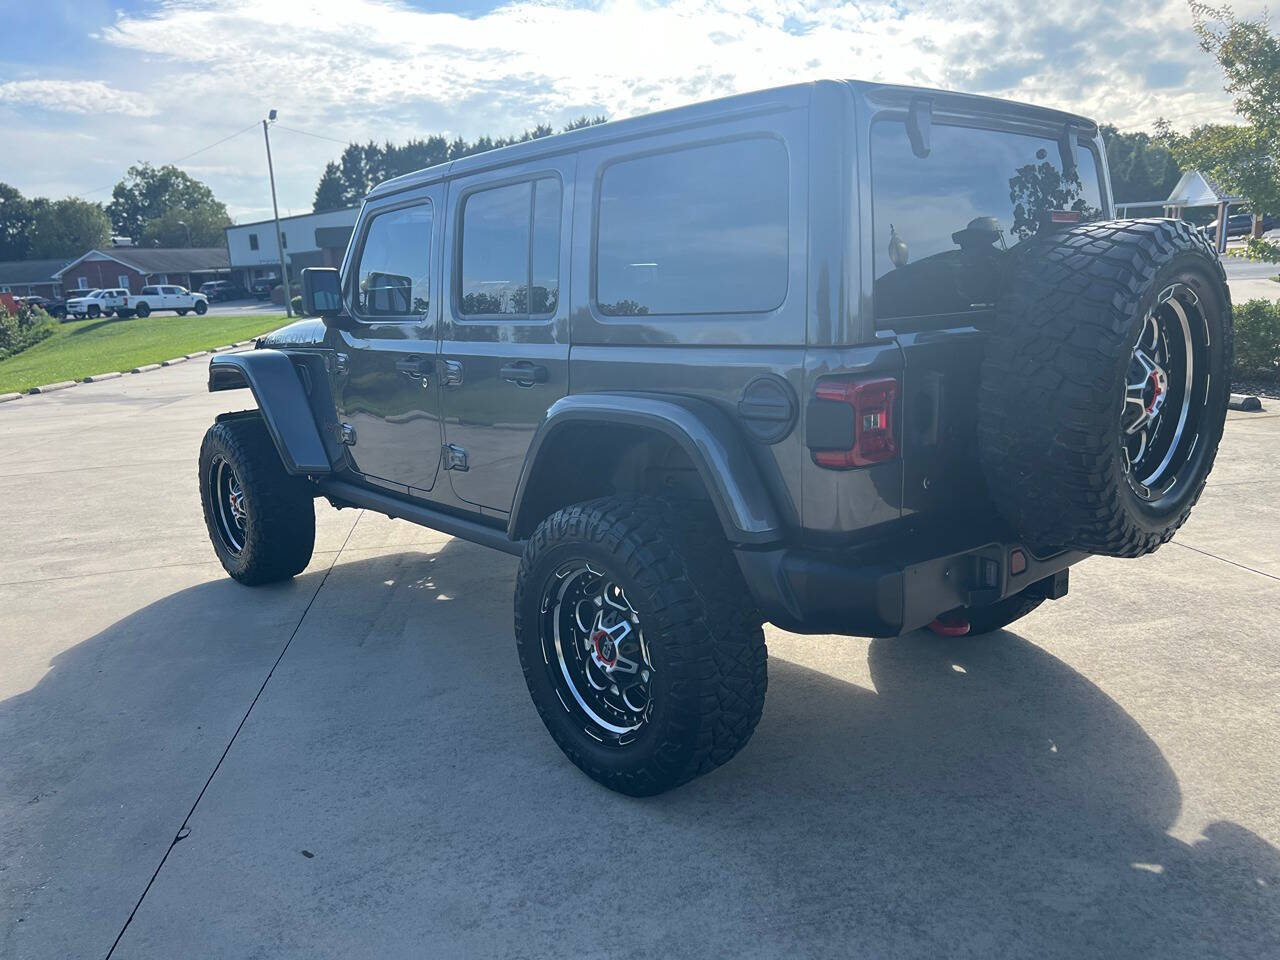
{"points": [[348, 765]]}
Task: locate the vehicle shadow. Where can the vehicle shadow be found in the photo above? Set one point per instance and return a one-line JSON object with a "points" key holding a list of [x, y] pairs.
{"points": [[984, 799]]}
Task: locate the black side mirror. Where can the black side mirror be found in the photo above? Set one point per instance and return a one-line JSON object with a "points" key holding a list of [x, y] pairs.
{"points": [[321, 292]]}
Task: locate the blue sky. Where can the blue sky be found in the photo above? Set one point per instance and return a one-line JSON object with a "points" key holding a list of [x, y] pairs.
{"points": [[89, 87]]}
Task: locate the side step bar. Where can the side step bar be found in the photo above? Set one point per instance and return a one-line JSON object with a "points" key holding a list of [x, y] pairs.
{"points": [[424, 516]]}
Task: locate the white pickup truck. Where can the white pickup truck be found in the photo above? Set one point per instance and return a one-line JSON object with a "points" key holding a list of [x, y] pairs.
{"points": [[101, 303], [168, 297]]}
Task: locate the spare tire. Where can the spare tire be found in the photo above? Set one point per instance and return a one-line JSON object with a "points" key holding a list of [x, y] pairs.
{"points": [[1105, 385]]}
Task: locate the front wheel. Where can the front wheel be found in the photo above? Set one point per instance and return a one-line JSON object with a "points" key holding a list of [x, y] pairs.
{"points": [[261, 520], [641, 648], [201, 308]]}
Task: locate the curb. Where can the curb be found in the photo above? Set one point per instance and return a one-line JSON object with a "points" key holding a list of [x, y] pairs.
{"points": [[229, 346], [6, 397], [50, 387], [97, 377], [170, 363], [1241, 401], [145, 368], [198, 353]]}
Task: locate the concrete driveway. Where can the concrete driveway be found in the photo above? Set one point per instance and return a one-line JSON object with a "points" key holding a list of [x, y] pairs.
{"points": [[348, 765]]}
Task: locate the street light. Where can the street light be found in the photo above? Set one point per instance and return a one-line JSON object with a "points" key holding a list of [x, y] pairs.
{"points": [[275, 209], [183, 224]]}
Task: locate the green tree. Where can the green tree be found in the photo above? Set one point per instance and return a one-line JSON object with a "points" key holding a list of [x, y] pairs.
{"points": [[1142, 168], [180, 227], [1243, 158], [148, 193], [361, 167], [17, 216], [329, 191], [67, 228]]}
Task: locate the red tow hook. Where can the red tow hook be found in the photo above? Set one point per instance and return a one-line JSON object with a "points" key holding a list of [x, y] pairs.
{"points": [[950, 625]]}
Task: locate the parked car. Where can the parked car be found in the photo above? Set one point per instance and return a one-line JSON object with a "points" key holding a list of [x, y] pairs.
{"points": [[1241, 225], [809, 358], [262, 288], [54, 308], [217, 290], [168, 297], [101, 303]]}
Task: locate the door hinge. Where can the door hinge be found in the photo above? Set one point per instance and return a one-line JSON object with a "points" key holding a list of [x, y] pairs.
{"points": [[347, 434], [451, 373], [454, 457]]}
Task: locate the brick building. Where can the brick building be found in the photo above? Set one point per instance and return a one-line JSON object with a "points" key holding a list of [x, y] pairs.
{"points": [[27, 278], [134, 267]]}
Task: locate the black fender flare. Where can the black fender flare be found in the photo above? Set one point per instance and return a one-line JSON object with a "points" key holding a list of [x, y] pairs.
{"points": [[282, 401], [712, 441]]}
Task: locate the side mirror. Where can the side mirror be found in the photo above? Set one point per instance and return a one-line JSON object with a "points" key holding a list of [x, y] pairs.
{"points": [[321, 292]]}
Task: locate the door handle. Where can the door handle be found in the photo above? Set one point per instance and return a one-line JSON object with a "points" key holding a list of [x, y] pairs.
{"points": [[523, 373], [416, 368]]}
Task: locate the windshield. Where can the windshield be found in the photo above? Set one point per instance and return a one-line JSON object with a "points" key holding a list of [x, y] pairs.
{"points": [[94, 294]]}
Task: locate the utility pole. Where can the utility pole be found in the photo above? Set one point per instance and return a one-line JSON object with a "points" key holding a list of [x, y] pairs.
{"points": [[275, 209]]}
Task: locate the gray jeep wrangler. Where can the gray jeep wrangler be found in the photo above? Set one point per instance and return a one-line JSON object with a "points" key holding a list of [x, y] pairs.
{"points": [[851, 358]]}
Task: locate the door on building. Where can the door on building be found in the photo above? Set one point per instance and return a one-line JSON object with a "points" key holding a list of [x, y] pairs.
{"points": [[504, 354], [388, 392]]}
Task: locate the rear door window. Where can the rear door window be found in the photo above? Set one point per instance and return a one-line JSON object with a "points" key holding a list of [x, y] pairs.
{"points": [[944, 224], [510, 262]]}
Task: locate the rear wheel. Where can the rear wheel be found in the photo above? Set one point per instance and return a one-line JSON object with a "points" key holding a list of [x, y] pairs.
{"points": [[641, 649], [260, 519], [144, 310]]}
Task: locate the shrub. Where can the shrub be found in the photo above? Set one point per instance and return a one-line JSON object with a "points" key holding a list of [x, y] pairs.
{"points": [[1257, 324], [296, 304], [23, 329]]}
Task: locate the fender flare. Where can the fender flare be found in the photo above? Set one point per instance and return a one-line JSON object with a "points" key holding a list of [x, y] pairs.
{"points": [[282, 401], [707, 435]]}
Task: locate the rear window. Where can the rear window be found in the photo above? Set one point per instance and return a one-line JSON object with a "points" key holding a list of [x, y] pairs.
{"points": [[150, 291], [699, 230], [944, 224]]}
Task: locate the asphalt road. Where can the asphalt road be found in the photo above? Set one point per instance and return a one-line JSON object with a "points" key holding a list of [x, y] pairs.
{"points": [[355, 770]]}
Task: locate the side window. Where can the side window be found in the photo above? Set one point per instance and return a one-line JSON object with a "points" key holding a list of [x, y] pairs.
{"points": [[510, 263], [253, 241], [700, 230], [395, 264], [944, 224]]}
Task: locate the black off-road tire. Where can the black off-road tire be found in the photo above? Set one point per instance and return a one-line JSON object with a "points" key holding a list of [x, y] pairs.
{"points": [[279, 529], [704, 637], [1053, 384], [144, 310]]}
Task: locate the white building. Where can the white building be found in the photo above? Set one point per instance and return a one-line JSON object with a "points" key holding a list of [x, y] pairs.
{"points": [[310, 240]]}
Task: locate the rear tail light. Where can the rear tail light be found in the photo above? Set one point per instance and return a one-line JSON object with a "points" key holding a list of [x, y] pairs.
{"points": [[871, 439]]}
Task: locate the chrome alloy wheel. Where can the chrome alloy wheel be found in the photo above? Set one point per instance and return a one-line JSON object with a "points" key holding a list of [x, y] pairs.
{"points": [[1163, 402], [595, 652], [227, 497]]}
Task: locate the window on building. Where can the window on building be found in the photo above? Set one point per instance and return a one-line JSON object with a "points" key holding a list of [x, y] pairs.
{"points": [[395, 264], [700, 230], [82, 283], [944, 224], [123, 280], [253, 241], [510, 261]]}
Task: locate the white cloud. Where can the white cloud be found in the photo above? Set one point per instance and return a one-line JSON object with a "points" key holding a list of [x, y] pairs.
{"points": [[74, 96], [362, 69]]}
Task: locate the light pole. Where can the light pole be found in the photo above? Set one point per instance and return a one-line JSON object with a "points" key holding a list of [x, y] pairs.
{"points": [[275, 209], [183, 224]]}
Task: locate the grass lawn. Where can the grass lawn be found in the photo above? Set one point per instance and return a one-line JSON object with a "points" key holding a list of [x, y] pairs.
{"points": [[84, 347]]}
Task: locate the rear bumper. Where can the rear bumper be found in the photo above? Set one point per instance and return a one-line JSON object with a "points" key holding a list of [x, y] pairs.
{"points": [[886, 589]]}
